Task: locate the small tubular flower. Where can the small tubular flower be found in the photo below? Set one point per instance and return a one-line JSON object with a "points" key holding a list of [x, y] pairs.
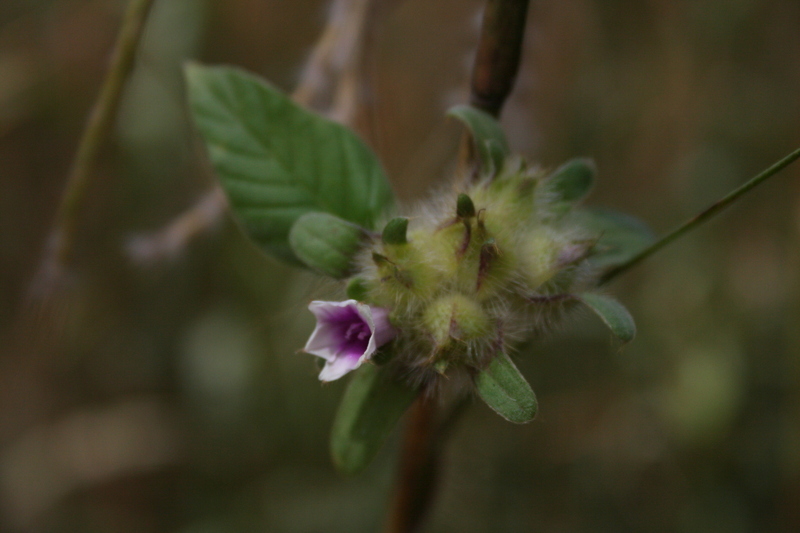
{"points": [[347, 334]]}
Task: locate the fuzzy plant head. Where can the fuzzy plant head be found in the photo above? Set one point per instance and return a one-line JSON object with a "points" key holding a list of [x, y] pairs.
{"points": [[436, 296], [472, 272]]}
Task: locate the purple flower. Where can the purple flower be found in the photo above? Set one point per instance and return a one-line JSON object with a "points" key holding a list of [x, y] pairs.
{"points": [[347, 334]]}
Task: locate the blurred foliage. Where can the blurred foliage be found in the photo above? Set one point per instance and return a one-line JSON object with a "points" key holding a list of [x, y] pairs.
{"points": [[165, 395]]}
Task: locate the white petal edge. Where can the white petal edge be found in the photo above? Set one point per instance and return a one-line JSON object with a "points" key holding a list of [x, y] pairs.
{"points": [[319, 343], [337, 368]]}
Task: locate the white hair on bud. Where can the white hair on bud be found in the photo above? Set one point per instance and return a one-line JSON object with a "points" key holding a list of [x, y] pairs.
{"points": [[515, 265]]}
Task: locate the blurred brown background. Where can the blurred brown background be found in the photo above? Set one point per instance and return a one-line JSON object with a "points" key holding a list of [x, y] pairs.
{"points": [[161, 393]]}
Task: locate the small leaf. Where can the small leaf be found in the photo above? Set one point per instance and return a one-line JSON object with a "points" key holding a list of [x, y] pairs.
{"points": [[326, 243], [488, 137], [370, 408], [613, 313], [573, 180], [277, 161], [619, 236], [464, 206], [357, 289], [505, 390], [395, 231], [496, 152]]}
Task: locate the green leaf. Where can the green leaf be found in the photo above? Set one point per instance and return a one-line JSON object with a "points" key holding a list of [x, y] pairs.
{"points": [[357, 289], [464, 206], [496, 151], [619, 236], [277, 161], [572, 181], [613, 313], [326, 243], [370, 408], [505, 390], [395, 231], [487, 135]]}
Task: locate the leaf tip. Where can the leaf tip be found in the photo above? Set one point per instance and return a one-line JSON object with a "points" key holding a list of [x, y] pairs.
{"points": [[506, 392], [614, 314]]}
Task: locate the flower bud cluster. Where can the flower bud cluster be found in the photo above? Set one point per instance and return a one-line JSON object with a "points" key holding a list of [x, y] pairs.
{"points": [[473, 270]]}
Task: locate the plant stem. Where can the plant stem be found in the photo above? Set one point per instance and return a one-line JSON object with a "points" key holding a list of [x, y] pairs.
{"points": [[493, 75], [498, 55], [495, 68], [98, 128], [417, 471], [700, 218]]}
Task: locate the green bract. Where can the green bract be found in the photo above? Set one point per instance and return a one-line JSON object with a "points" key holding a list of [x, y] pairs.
{"points": [[395, 231], [488, 138], [572, 181], [504, 389], [613, 313], [619, 236]]}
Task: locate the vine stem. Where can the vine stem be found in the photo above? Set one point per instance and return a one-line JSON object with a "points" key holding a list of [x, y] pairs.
{"points": [[493, 74], [417, 472], [703, 216], [496, 65], [498, 56], [427, 431], [97, 130]]}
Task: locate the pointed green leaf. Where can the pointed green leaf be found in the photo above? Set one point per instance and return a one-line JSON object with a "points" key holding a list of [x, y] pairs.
{"points": [[496, 152], [357, 289], [613, 313], [464, 206], [277, 161], [370, 408], [487, 135], [326, 243], [504, 389], [572, 181], [395, 231], [619, 236]]}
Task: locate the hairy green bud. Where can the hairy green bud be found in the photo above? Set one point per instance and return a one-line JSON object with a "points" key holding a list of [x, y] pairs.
{"points": [[456, 317], [458, 288]]}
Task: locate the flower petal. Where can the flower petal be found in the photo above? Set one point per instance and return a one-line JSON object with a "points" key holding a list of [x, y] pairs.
{"points": [[338, 367], [322, 342], [328, 311], [333, 338], [325, 340], [383, 331]]}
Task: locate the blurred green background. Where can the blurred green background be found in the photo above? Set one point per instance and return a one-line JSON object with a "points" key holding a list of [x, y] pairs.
{"points": [[163, 393]]}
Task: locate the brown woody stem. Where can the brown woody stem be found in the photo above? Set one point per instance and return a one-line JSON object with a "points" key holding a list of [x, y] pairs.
{"points": [[417, 472], [493, 75], [498, 56]]}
